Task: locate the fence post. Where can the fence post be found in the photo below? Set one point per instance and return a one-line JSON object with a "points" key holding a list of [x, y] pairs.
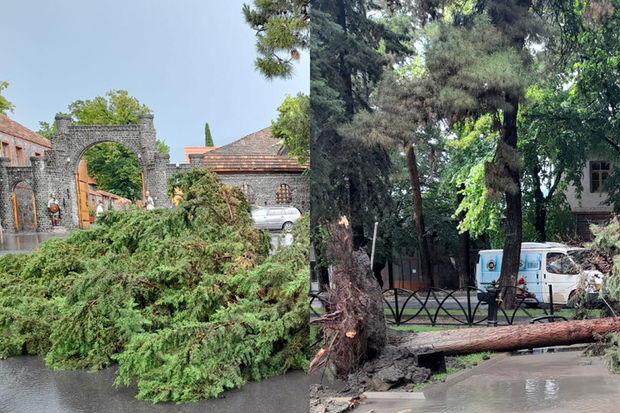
{"points": [[470, 321], [396, 306], [492, 301], [551, 297]]}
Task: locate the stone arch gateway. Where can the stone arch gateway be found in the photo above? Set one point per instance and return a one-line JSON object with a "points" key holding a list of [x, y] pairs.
{"points": [[55, 172]]}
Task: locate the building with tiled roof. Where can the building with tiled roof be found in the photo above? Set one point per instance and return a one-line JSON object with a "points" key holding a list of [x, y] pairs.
{"points": [[20, 143], [261, 167], [197, 150]]}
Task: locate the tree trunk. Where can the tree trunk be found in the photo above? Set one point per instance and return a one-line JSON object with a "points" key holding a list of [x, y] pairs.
{"points": [[354, 328], [464, 244], [514, 221], [425, 256], [540, 209], [517, 337], [390, 274]]}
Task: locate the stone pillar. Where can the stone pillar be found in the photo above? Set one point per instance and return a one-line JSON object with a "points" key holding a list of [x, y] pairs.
{"points": [[197, 160], [62, 123], [7, 219], [148, 135], [40, 187], [158, 180]]}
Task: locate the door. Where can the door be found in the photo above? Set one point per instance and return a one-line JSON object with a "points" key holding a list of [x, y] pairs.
{"points": [[24, 208], [562, 274], [81, 182], [530, 269]]}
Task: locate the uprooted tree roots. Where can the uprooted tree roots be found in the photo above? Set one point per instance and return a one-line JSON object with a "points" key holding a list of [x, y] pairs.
{"points": [[354, 329]]}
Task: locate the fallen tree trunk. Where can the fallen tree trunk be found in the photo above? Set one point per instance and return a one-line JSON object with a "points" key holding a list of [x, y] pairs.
{"points": [[514, 337]]}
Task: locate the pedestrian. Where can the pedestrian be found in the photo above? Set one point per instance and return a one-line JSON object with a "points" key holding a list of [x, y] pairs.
{"points": [[150, 204], [100, 209]]}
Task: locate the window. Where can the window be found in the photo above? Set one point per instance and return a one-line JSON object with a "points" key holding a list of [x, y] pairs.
{"points": [[6, 150], [560, 263], [20, 159], [283, 195], [249, 194], [599, 172]]}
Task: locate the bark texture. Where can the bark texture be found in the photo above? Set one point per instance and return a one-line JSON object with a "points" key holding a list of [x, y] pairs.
{"points": [[354, 329], [425, 255], [514, 337]]}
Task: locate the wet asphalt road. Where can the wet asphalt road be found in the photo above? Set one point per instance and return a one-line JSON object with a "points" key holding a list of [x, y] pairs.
{"points": [[28, 386], [550, 382]]}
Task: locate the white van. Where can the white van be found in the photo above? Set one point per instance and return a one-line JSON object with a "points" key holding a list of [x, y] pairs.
{"points": [[542, 264]]}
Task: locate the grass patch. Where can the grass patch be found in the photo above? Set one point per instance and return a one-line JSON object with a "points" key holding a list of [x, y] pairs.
{"points": [[467, 360], [421, 329]]}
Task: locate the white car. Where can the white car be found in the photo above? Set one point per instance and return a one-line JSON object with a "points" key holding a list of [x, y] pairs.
{"points": [[276, 218]]}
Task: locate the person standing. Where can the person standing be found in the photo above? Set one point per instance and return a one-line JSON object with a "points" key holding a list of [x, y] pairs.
{"points": [[99, 209], [150, 204]]}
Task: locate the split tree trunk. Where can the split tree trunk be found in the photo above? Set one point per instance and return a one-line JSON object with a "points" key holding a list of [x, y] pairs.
{"points": [[425, 256], [517, 337]]}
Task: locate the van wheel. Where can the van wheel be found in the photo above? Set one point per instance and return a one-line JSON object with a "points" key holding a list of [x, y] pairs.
{"points": [[287, 226]]}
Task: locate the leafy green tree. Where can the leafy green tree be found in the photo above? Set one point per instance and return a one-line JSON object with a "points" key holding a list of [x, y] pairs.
{"points": [[208, 138], [479, 58], [116, 168], [282, 30], [293, 126], [5, 105]]}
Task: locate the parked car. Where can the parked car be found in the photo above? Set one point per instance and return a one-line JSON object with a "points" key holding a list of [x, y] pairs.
{"points": [[278, 218], [542, 264]]}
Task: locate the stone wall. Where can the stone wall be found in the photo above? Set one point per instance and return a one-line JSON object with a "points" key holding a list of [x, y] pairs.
{"points": [[264, 187]]}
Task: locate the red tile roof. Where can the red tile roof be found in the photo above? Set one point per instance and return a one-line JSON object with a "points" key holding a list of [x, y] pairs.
{"points": [[256, 152], [14, 129], [252, 163], [193, 150]]}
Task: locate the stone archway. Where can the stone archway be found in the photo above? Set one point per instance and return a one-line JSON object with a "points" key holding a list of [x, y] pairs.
{"points": [[56, 171]]}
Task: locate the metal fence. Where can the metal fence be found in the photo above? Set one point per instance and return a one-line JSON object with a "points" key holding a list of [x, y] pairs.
{"points": [[469, 306]]}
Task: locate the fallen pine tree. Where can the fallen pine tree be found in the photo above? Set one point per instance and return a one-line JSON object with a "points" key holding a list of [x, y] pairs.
{"points": [[187, 301], [514, 337]]}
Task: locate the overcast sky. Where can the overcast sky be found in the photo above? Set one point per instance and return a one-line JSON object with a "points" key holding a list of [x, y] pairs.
{"points": [[190, 61]]}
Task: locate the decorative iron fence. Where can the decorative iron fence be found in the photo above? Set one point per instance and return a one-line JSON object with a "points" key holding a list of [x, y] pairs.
{"points": [[464, 307]]}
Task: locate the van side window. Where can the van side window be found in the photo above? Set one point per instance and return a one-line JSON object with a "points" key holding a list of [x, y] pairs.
{"points": [[560, 263]]}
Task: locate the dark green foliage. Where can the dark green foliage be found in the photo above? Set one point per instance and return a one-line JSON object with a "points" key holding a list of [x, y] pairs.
{"points": [[281, 31], [607, 240], [186, 300], [208, 137]]}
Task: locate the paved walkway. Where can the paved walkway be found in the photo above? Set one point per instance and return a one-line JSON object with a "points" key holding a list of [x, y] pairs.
{"points": [[550, 382]]}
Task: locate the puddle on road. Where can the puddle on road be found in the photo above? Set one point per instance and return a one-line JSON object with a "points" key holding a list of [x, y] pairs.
{"points": [[545, 350], [25, 242], [27, 385]]}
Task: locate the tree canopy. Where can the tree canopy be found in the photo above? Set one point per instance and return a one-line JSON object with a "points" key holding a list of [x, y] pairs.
{"points": [[293, 126], [282, 30], [5, 105]]}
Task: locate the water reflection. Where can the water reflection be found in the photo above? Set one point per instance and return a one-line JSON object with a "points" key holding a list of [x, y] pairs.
{"points": [[22, 243], [27, 385]]}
